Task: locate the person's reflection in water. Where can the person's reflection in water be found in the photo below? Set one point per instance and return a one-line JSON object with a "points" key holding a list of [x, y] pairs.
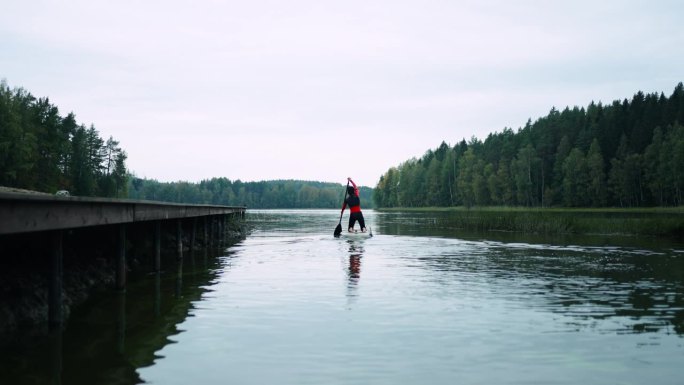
{"points": [[354, 269]]}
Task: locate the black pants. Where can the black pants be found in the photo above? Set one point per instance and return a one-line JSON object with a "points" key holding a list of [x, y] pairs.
{"points": [[353, 217]]}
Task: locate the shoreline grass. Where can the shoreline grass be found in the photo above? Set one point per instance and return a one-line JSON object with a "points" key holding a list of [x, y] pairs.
{"points": [[658, 210]]}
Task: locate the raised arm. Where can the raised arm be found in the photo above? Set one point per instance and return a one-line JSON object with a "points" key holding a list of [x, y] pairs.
{"points": [[356, 189]]}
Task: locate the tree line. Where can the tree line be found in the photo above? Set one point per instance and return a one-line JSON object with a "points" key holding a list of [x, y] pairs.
{"points": [[283, 194], [626, 154], [43, 151]]}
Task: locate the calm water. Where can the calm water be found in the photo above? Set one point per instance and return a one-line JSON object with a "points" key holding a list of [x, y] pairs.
{"points": [[415, 304]]}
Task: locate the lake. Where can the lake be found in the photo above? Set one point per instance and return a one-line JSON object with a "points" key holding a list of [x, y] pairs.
{"points": [[418, 303]]}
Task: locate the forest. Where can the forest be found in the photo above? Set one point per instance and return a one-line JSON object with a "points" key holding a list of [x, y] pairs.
{"points": [[629, 153], [282, 194], [626, 154], [43, 151], [40, 150]]}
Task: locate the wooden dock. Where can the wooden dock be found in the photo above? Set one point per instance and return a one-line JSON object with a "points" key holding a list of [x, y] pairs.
{"points": [[46, 216], [23, 213]]}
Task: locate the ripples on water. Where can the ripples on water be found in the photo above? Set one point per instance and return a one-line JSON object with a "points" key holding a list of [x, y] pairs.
{"points": [[294, 305]]}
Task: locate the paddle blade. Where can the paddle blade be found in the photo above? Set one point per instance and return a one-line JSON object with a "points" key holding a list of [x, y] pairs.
{"points": [[338, 230]]}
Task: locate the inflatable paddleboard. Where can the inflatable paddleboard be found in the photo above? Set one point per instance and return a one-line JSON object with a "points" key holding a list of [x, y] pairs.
{"points": [[357, 234]]}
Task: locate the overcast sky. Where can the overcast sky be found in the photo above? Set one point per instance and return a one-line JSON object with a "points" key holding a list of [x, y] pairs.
{"points": [[322, 90]]}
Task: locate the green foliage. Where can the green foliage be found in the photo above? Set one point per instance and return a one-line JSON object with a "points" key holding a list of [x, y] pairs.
{"points": [[575, 184], [274, 194], [42, 151], [628, 154]]}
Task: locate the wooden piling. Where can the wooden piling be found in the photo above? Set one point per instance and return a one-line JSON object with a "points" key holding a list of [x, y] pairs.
{"points": [[179, 238], [55, 309], [121, 259], [219, 227], [157, 294], [212, 240], [121, 323], [157, 245], [206, 231], [179, 279], [193, 236], [223, 231]]}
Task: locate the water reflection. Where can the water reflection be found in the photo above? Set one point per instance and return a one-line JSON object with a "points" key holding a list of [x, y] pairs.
{"points": [[55, 347], [432, 308], [179, 278], [157, 294], [629, 292], [112, 335], [121, 322], [631, 286]]}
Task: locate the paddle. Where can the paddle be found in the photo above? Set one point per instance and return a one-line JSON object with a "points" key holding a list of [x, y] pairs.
{"points": [[338, 229]]}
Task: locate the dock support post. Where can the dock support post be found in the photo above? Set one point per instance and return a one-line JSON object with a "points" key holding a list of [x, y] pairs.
{"points": [[217, 232], [55, 310], [121, 323], [193, 236], [157, 294], [157, 245], [204, 256], [121, 259], [219, 226], [193, 242], [179, 238], [212, 240], [206, 243], [179, 279], [223, 230], [206, 238], [179, 276]]}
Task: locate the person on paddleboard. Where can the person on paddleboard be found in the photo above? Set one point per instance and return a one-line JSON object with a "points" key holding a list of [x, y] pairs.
{"points": [[354, 203]]}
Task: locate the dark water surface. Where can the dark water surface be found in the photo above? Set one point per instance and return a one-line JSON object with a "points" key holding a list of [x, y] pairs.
{"points": [[418, 303]]}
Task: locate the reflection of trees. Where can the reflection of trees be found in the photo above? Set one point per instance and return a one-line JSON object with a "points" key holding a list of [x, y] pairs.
{"points": [[107, 342], [637, 290], [644, 304], [645, 291]]}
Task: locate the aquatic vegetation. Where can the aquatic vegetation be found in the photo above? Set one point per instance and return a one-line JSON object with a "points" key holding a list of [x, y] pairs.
{"points": [[668, 222]]}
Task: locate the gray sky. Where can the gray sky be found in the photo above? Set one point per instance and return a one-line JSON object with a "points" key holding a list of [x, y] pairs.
{"points": [[322, 90]]}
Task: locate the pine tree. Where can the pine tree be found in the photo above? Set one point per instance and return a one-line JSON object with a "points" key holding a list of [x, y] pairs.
{"points": [[575, 183], [597, 177], [524, 168]]}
